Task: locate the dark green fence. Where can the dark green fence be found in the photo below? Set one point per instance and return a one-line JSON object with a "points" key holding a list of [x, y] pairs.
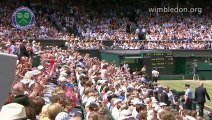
{"points": [[49, 42]]}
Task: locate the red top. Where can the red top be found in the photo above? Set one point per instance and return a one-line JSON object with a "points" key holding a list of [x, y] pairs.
{"points": [[52, 67]]}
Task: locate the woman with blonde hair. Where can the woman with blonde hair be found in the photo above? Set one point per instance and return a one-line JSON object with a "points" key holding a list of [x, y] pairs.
{"points": [[44, 115], [53, 110]]}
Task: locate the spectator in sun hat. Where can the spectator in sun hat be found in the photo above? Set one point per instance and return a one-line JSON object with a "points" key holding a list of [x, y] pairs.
{"points": [[13, 111], [27, 81], [62, 116], [136, 111], [116, 107], [126, 115]]}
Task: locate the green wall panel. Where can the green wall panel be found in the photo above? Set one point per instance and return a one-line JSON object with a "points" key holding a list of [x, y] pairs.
{"points": [[179, 65], [93, 53], [204, 66], [205, 75], [171, 77], [111, 58]]}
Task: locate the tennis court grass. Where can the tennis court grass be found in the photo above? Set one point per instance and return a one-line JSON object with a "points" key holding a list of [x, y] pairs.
{"points": [[179, 85]]}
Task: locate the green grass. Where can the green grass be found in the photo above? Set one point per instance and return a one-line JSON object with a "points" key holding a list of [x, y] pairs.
{"points": [[179, 85]]}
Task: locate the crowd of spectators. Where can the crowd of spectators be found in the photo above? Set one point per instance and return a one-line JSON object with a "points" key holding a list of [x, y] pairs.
{"points": [[115, 24], [77, 43], [162, 31], [201, 45], [168, 27], [42, 28], [65, 85]]}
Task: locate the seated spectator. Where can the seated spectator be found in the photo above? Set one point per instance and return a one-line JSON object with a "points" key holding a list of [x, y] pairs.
{"points": [[19, 97], [30, 113], [53, 109], [13, 111], [37, 104], [62, 116], [44, 113]]}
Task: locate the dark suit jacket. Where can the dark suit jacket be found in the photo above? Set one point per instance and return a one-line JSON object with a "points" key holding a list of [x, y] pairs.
{"points": [[164, 98], [23, 51], [200, 94]]}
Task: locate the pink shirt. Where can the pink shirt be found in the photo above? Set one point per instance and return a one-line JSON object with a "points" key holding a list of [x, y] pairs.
{"points": [[104, 73]]}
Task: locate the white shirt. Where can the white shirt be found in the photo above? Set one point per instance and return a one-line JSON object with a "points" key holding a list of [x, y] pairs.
{"points": [[170, 95], [115, 113], [155, 73], [135, 114]]}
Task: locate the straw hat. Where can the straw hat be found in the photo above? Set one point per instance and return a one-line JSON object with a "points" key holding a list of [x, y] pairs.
{"points": [[12, 111], [126, 115], [27, 78], [136, 101]]}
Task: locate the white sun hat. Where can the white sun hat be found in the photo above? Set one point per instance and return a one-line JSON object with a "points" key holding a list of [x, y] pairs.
{"points": [[13, 111]]}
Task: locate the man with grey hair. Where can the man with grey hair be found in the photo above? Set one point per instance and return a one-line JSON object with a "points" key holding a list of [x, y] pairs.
{"points": [[200, 93]]}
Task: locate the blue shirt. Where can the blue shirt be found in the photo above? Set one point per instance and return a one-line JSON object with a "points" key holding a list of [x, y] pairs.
{"points": [[189, 93], [13, 49]]}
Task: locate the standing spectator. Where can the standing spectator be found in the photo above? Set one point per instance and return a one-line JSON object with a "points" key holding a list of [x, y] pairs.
{"points": [[52, 67], [200, 93], [23, 50], [155, 75], [188, 97], [13, 48], [104, 72]]}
